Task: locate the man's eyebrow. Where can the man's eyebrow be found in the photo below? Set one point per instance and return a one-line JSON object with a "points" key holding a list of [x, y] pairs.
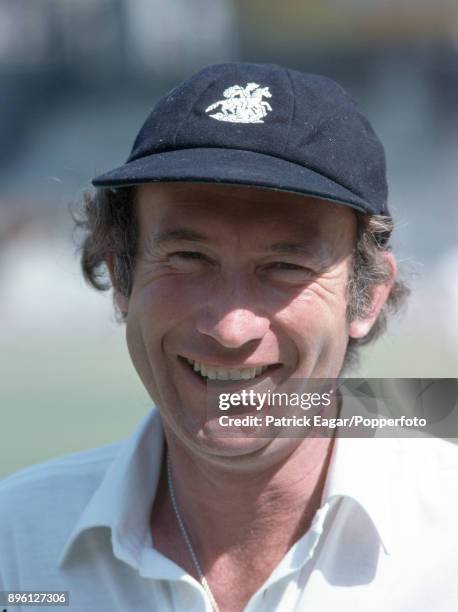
{"points": [[182, 233], [292, 248], [178, 233]]}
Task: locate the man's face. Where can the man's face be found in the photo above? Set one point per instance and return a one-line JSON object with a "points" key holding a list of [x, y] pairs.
{"points": [[245, 283]]}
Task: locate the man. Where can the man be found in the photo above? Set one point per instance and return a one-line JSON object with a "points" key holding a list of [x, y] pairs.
{"points": [[246, 241]]}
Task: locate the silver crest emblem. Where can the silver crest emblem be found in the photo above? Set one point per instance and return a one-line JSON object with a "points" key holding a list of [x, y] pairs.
{"points": [[242, 104]]}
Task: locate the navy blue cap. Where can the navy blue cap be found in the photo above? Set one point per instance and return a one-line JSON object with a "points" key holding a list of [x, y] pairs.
{"points": [[265, 126]]}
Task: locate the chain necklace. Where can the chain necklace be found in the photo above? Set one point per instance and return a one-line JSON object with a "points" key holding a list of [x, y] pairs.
{"points": [[186, 538]]}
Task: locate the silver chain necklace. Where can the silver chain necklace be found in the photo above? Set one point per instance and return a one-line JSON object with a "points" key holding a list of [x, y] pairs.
{"points": [[187, 539]]}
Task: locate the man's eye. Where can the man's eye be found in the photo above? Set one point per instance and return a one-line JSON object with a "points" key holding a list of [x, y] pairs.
{"points": [[284, 271], [188, 261], [188, 255], [283, 265]]}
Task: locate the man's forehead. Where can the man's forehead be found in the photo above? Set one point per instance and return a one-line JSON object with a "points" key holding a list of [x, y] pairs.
{"points": [[181, 205]]}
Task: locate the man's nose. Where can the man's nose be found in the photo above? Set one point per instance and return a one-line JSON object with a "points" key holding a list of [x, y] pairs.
{"points": [[232, 320]]}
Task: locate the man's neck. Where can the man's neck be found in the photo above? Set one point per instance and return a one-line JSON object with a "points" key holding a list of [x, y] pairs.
{"points": [[247, 518]]}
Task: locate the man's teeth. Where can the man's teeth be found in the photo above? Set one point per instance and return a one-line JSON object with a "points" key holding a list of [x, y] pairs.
{"points": [[216, 373]]}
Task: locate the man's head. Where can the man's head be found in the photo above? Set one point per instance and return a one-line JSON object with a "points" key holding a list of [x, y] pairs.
{"points": [[284, 266]]}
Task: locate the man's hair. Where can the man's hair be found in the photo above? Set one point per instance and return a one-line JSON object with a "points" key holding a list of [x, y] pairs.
{"points": [[110, 233]]}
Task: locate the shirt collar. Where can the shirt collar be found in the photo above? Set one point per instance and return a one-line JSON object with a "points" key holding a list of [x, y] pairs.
{"points": [[362, 469], [133, 475], [366, 470]]}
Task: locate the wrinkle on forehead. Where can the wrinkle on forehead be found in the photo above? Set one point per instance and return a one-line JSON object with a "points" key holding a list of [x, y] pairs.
{"points": [[234, 213]]}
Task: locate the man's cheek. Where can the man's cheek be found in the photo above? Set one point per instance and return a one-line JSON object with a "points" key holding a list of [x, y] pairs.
{"points": [[168, 299], [139, 352]]}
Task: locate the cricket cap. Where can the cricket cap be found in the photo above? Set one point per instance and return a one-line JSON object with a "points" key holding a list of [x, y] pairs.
{"points": [[260, 125]]}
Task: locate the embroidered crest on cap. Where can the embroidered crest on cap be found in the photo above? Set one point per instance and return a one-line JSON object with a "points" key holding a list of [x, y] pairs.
{"points": [[242, 104]]}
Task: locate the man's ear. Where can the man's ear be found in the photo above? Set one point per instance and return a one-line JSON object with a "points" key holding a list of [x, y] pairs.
{"points": [[121, 301], [361, 326]]}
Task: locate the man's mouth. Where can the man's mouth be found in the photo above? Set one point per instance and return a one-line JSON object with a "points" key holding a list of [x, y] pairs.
{"points": [[212, 372]]}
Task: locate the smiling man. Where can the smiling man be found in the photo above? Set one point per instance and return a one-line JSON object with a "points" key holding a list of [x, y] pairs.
{"points": [[244, 284], [247, 245]]}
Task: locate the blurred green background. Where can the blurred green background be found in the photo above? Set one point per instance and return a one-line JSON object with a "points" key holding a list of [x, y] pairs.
{"points": [[76, 82]]}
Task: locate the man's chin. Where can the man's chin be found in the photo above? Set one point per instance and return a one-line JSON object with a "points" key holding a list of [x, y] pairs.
{"points": [[242, 450], [212, 441], [232, 446]]}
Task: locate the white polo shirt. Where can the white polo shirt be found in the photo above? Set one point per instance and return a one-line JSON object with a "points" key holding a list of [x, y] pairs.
{"points": [[384, 540]]}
